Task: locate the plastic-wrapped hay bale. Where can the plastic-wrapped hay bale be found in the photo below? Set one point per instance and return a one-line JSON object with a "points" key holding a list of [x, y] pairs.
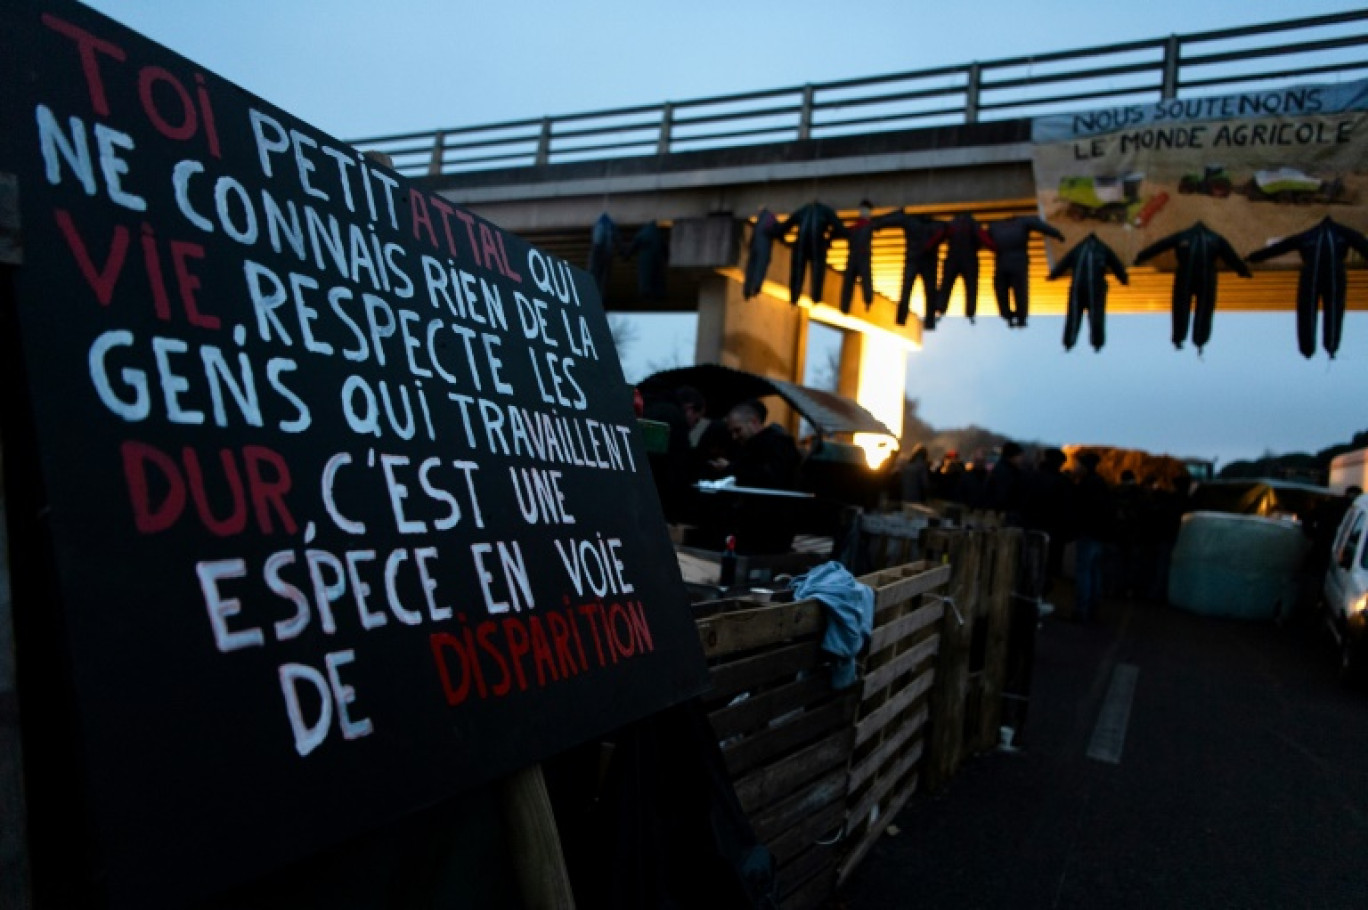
{"points": [[1241, 566]]}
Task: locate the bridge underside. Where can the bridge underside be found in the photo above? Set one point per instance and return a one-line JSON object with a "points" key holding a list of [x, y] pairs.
{"points": [[980, 168]]}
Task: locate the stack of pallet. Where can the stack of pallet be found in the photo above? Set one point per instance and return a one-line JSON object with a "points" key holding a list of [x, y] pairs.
{"points": [[820, 773]]}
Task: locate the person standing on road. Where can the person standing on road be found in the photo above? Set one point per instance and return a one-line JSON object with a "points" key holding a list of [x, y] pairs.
{"points": [[914, 478], [1094, 518], [1007, 484], [1129, 502], [1048, 508], [1167, 520]]}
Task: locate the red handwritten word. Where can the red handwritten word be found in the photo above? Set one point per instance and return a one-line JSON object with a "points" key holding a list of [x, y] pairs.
{"points": [[493, 657], [268, 481], [487, 251], [103, 278], [180, 123]]}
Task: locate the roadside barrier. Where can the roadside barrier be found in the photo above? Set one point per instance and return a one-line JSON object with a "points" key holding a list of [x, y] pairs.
{"points": [[821, 773]]}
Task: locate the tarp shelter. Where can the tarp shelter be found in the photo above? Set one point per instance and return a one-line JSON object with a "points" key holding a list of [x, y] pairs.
{"points": [[1266, 498], [724, 388]]}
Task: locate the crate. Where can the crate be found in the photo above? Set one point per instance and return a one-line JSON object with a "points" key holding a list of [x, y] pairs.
{"points": [[966, 706], [820, 773], [785, 735], [885, 539], [891, 722]]}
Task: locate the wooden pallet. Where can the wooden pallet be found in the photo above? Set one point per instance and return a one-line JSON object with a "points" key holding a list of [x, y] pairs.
{"points": [[889, 539], [802, 756], [891, 723], [966, 706], [785, 735]]}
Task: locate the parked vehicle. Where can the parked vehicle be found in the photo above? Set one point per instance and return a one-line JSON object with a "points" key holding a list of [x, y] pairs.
{"points": [[1349, 470], [1346, 588], [1265, 497]]}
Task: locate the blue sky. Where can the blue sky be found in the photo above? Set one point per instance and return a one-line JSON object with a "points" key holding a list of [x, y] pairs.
{"points": [[358, 69]]}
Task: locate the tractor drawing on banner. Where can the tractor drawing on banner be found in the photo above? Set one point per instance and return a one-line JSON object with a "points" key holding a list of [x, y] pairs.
{"points": [[1214, 181], [1109, 199]]}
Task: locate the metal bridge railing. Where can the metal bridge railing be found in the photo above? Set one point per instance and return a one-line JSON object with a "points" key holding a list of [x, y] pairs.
{"points": [[1202, 63]]}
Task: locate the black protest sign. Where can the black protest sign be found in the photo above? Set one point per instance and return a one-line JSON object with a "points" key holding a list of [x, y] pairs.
{"points": [[343, 490]]}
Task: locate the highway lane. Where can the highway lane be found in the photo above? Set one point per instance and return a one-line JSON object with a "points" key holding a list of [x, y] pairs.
{"points": [[1228, 768]]}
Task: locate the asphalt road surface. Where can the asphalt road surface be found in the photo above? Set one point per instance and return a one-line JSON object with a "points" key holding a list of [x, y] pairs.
{"points": [[1168, 761]]}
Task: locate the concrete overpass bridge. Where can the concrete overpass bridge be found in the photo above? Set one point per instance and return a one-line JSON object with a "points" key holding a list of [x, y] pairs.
{"points": [[937, 141]]}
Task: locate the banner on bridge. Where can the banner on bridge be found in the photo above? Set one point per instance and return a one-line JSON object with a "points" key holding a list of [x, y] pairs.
{"points": [[1254, 167]]}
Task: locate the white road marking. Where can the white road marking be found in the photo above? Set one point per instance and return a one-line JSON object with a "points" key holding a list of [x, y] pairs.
{"points": [[1109, 736]]}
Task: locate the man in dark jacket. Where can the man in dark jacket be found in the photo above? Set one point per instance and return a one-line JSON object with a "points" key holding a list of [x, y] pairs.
{"points": [[1049, 508], [768, 456]]}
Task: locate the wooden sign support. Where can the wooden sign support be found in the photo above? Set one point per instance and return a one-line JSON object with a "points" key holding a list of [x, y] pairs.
{"points": [[535, 843]]}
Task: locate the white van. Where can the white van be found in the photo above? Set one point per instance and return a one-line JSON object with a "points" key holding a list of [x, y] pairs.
{"points": [[1349, 470], [1346, 587]]}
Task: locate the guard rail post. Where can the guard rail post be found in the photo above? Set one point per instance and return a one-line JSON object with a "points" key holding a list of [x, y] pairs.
{"points": [[438, 153], [666, 127], [971, 94], [805, 116], [544, 143], [1173, 47]]}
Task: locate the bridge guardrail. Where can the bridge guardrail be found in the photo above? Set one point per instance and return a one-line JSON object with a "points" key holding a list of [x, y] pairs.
{"points": [[1192, 65]]}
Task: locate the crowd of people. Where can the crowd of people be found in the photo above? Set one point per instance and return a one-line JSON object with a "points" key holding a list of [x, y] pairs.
{"points": [[1122, 527], [1123, 533]]}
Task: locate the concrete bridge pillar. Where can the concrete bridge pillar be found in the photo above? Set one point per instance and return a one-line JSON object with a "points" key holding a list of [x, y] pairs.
{"points": [[848, 369], [763, 335], [768, 335]]}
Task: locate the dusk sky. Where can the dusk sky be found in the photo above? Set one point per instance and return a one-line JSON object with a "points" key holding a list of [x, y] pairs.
{"points": [[359, 69]]}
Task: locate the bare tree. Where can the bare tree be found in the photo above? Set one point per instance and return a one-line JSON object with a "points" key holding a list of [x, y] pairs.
{"points": [[675, 357], [624, 332], [828, 374]]}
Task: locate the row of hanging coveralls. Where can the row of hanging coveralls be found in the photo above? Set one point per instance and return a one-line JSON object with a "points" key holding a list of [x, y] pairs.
{"points": [[818, 225], [649, 247], [1322, 281]]}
